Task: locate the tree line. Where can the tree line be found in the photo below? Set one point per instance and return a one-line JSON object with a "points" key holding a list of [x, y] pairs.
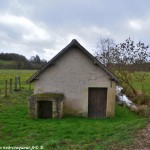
{"points": [[16, 61]]}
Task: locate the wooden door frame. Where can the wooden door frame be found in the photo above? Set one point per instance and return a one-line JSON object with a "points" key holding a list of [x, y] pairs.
{"points": [[106, 97]]}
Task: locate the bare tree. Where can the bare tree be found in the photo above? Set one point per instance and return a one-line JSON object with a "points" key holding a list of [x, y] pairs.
{"points": [[127, 56], [104, 51], [124, 58]]}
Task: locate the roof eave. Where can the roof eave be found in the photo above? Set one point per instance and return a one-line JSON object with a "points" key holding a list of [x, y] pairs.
{"points": [[73, 43]]}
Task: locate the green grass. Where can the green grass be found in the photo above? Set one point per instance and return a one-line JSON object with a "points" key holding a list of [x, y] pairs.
{"points": [[146, 84], [7, 74], [17, 129], [4, 62]]}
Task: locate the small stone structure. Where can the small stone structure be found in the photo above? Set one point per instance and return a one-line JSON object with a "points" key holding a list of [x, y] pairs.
{"points": [[55, 99]]}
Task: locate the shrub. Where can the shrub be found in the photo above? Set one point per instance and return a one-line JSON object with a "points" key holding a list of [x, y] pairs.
{"points": [[142, 99], [144, 110]]}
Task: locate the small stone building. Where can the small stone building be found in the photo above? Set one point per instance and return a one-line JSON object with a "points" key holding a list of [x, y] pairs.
{"points": [[73, 82]]}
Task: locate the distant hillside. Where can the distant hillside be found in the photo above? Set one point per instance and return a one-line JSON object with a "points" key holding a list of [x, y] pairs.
{"points": [[5, 62], [12, 56], [16, 61]]}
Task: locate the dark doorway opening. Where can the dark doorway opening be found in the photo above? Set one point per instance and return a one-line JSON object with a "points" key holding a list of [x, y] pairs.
{"points": [[97, 101], [45, 109]]}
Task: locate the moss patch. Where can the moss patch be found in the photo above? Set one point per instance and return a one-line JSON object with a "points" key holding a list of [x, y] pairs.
{"points": [[50, 95]]}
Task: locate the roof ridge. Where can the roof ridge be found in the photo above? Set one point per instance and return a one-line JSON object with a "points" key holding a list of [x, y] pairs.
{"points": [[72, 43]]}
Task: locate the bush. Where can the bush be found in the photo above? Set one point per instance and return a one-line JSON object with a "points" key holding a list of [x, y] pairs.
{"points": [[144, 110], [143, 104], [128, 92], [142, 99]]}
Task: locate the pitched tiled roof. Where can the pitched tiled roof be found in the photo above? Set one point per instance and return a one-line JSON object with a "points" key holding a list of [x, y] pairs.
{"points": [[73, 43]]}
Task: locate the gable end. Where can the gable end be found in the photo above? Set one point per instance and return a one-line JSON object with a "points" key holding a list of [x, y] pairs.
{"points": [[74, 43]]}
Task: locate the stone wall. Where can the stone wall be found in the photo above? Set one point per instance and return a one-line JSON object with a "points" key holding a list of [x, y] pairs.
{"points": [[57, 106]]}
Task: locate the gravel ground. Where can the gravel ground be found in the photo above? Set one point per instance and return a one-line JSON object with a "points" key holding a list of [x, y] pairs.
{"points": [[142, 140]]}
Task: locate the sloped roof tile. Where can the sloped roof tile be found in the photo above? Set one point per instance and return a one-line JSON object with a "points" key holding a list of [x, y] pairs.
{"points": [[73, 43]]}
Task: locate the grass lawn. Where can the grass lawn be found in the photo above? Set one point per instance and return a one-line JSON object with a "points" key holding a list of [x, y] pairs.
{"points": [[17, 129]]}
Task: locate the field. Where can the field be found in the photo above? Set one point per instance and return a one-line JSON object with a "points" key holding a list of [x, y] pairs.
{"points": [[7, 64], [4, 62], [146, 84], [17, 129], [11, 74]]}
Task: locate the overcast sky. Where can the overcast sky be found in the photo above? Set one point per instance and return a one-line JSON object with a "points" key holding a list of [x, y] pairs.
{"points": [[44, 27]]}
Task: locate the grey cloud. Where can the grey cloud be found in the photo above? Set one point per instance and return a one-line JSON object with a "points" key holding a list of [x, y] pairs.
{"points": [[50, 24]]}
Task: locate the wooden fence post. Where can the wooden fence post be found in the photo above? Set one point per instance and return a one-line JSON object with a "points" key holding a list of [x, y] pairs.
{"points": [[19, 83], [10, 85], [16, 84], [5, 88]]}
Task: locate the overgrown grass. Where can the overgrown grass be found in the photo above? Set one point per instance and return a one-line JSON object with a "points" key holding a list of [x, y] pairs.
{"points": [[17, 129]]}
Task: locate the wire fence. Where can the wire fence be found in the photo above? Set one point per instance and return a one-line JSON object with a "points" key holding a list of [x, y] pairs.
{"points": [[10, 85]]}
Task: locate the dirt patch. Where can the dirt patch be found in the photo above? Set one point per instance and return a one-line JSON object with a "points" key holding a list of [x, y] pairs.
{"points": [[142, 140]]}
